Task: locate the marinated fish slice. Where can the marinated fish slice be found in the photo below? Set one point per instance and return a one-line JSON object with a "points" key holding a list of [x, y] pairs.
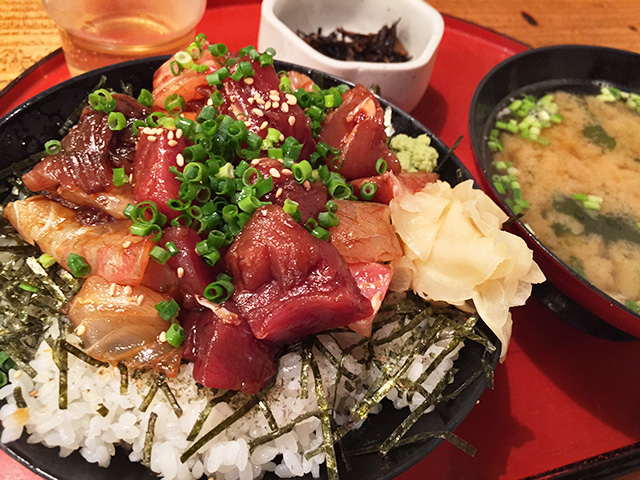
{"points": [[120, 324], [109, 248]]}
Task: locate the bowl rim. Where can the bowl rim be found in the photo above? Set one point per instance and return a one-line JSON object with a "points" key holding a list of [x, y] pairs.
{"points": [[478, 154], [430, 13]]}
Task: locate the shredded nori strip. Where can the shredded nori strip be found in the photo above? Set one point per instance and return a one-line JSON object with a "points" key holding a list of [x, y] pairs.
{"points": [[148, 439], [223, 425], [72, 349], [388, 378], [422, 437], [256, 442], [102, 410], [206, 411], [304, 369], [148, 398], [61, 355], [268, 415], [333, 360], [124, 378], [408, 422], [325, 422], [19, 398], [172, 398]]}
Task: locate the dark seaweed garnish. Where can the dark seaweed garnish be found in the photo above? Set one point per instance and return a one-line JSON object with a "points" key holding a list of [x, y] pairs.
{"points": [[597, 135], [381, 47]]}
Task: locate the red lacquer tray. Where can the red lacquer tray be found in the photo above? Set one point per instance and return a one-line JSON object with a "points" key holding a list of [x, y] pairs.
{"points": [[565, 404]]}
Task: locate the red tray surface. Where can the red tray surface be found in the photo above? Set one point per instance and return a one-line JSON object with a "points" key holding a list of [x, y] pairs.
{"points": [[563, 401]]}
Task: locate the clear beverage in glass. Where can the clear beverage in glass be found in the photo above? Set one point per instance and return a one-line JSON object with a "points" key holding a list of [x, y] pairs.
{"points": [[96, 33]]}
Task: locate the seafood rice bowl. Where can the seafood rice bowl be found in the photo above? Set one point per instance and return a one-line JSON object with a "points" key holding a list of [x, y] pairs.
{"points": [[227, 274]]}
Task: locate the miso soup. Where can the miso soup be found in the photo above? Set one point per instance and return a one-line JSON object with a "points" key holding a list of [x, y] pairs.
{"points": [[571, 164]]}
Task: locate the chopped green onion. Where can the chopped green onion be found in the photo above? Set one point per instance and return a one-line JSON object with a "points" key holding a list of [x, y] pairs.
{"points": [[218, 49], [218, 76], [175, 335], [220, 290], [116, 121], [174, 104], [46, 260], [328, 219], [102, 100], [167, 309], [159, 254], [145, 98], [52, 147], [78, 265], [119, 177], [175, 67], [172, 248], [28, 287], [302, 171], [340, 190], [368, 190], [249, 204]]}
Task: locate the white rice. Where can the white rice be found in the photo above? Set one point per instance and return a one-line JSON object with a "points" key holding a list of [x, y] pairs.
{"points": [[228, 455]]}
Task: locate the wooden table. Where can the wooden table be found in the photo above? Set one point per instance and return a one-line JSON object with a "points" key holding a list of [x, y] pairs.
{"points": [[27, 35]]}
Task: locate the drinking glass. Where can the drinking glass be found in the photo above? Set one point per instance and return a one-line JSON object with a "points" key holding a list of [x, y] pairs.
{"points": [[96, 33]]}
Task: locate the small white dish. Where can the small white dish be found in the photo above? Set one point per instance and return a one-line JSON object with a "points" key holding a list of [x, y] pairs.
{"points": [[420, 30]]}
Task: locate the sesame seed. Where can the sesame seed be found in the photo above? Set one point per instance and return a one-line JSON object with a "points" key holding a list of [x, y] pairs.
{"points": [[281, 138], [128, 290], [210, 103], [306, 185], [248, 81], [172, 143], [274, 92], [140, 299], [274, 172], [17, 374], [162, 338], [264, 125], [126, 244], [275, 104], [247, 123], [274, 97], [291, 120], [151, 138], [112, 289], [285, 107], [180, 272], [255, 161], [267, 105], [33, 393], [286, 171], [259, 99], [279, 192], [131, 178], [159, 131], [81, 329], [251, 100], [258, 112], [180, 158], [170, 135], [48, 349], [147, 130], [291, 99], [232, 98], [179, 133]]}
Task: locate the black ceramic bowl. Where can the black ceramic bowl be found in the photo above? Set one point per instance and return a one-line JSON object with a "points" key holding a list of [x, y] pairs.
{"points": [[24, 131], [581, 69]]}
